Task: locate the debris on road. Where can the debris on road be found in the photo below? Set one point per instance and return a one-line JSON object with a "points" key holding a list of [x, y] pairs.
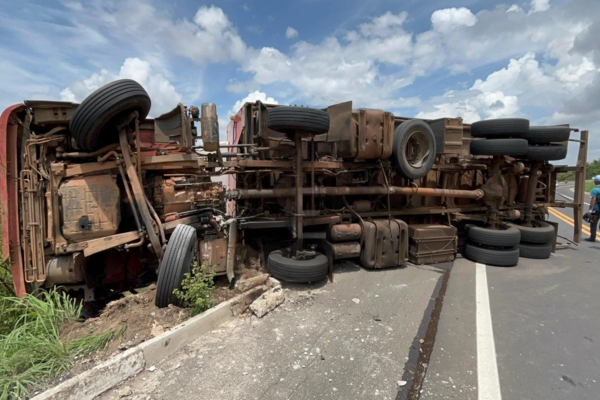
{"points": [[267, 302], [125, 391], [247, 284], [356, 301]]}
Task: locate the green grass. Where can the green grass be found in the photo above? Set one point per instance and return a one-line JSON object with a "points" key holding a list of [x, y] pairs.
{"points": [[33, 351], [589, 186]]}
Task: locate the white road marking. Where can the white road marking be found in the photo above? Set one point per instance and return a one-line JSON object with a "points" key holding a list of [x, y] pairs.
{"points": [[488, 382], [570, 198]]}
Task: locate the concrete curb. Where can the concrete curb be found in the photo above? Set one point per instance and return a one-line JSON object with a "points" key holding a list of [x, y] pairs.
{"points": [[110, 373]]}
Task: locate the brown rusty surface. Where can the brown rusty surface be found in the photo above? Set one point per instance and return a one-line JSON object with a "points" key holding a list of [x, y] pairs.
{"points": [[345, 232], [362, 190], [346, 250], [385, 243], [90, 207], [213, 255]]}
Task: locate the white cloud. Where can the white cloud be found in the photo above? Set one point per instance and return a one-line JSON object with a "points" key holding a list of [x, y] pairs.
{"points": [[251, 98], [539, 6], [162, 93], [451, 18], [291, 33], [514, 8]]}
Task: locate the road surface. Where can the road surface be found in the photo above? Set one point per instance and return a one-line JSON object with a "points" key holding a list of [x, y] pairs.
{"points": [[461, 331]]}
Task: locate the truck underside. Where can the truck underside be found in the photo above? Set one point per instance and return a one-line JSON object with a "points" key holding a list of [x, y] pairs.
{"points": [[95, 199]]}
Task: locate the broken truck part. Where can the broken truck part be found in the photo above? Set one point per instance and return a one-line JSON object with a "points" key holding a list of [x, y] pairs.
{"points": [[98, 198]]}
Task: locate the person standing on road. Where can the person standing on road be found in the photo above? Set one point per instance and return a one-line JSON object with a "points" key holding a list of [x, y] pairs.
{"points": [[594, 209]]}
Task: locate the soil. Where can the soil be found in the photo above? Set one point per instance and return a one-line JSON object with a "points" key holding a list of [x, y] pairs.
{"points": [[134, 318]]}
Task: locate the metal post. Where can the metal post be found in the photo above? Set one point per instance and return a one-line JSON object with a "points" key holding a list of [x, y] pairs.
{"points": [[580, 186], [299, 194]]}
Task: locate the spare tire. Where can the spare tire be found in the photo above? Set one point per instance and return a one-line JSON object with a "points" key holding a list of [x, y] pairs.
{"points": [[548, 134], [500, 128], [93, 124], [508, 237], [282, 266], [498, 257], [287, 119], [535, 251], [178, 258], [553, 152], [540, 232], [499, 147], [414, 149]]}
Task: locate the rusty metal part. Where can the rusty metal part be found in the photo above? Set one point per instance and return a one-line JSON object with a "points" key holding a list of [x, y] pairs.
{"points": [[361, 206], [209, 124], [345, 232], [580, 186], [532, 184], [431, 243], [179, 194], [231, 247], [385, 243], [94, 246], [239, 194], [138, 195], [33, 220], [174, 126], [370, 136], [138, 151], [134, 210], [90, 207], [345, 250], [213, 255], [299, 192], [156, 218], [213, 223], [65, 269], [96, 153]]}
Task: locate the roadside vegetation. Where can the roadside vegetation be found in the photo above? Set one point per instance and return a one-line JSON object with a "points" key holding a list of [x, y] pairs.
{"points": [[197, 290]]}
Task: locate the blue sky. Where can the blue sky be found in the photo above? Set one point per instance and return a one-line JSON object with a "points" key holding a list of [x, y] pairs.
{"points": [[476, 59]]}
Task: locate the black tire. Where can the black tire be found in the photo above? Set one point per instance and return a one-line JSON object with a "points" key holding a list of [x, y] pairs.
{"points": [[553, 152], [93, 122], [497, 257], [414, 149], [177, 260], [289, 120], [509, 237], [548, 134], [499, 147], [287, 269], [535, 251], [541, 232], [500, 128]]}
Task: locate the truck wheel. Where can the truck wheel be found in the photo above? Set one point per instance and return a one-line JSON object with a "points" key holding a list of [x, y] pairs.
{"points": [[548, 134], [93, 122], [499, 147], [535, 251], [288, 119], [413, 150], [553, 152], [282, 266], [540, 232], [498, 257], [507, 237], [180, 254], [500, 128]]}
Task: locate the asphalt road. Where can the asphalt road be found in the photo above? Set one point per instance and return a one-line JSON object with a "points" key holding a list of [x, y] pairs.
{"points": [[528, 332], [545, 325]]}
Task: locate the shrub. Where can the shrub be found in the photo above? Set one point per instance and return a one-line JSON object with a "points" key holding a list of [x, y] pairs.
{"points": [[33, 351], [197, 290]]}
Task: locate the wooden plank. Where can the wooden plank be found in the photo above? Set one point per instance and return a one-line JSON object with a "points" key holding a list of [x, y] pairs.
{"points": [[94, 246]]}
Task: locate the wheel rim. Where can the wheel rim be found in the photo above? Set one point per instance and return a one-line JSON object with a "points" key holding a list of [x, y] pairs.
{"points": [[415, 152]]}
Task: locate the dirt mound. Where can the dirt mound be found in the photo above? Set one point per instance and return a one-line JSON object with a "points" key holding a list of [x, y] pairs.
{"points": [[133, 319]]}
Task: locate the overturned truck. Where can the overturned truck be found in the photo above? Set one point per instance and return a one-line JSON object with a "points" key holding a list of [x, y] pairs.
{"points": [[98, 198]]}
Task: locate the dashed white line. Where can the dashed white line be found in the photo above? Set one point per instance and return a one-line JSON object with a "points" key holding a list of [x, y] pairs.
{"points": [[488, 382], [570, 198]]}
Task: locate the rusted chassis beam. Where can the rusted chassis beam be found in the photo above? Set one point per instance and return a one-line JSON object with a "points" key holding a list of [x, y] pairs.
{"points": [[241, 194]]}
